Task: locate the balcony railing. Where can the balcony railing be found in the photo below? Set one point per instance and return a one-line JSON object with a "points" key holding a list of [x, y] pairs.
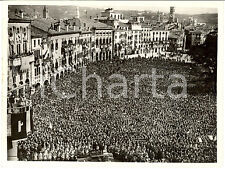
{"points": [[16, 60]]}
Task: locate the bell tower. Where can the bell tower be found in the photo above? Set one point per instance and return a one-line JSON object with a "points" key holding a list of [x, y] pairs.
{"points": [[45, 12]]}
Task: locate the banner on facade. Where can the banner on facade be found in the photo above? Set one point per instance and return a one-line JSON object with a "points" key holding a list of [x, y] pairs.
{"points": [[18, 126], [25, 62]]}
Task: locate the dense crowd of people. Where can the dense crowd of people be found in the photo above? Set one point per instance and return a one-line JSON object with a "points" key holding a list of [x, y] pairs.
{"points": [[144, 129]]}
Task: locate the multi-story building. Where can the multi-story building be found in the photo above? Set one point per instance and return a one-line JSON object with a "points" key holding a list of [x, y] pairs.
{"points": [[101, 38], [20, 57], [20, 66], [110, 13], [176, 41], [139, 19], [194, 38], [122, 41], [62, 45], [157, 42]]}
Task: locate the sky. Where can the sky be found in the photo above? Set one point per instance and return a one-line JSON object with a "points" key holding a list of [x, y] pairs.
{"points": [[181, 7]]}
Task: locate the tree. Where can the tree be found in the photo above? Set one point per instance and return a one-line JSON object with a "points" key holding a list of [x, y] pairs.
{"points": [[206, 56]]}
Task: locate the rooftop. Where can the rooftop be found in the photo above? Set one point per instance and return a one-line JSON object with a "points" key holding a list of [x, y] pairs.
{"points": [[17, 17]]}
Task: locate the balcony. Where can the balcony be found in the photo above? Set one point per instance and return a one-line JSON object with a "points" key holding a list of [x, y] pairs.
{"points": [[16, 60]]}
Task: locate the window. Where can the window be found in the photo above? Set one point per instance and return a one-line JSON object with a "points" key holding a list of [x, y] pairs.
{"points": [[18, 49], [52, 46], [38, 41], [24, 47], [11, 50], [34, 43], [37, 53], [10, 32], [14, 79], [56, 45], [75, 41], [27, 75]]}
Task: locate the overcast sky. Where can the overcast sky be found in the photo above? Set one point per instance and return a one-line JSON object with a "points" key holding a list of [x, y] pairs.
{"points": [[182, 7]]}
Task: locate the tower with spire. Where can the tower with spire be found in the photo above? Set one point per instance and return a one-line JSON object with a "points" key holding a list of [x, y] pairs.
{"points": [[45, 12], [77, 12]]}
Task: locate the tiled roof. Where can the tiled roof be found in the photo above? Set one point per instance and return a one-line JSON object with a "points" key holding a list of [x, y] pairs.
{"points": [[93, 23], [173, 36], [36, 35], [43, 24], [144, 25], [12, 16], [196, 31], [47, 24], [123, 24], [158, 28]]}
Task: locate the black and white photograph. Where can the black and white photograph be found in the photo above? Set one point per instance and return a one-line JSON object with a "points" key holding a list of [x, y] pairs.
{"points": [[112, 81]]}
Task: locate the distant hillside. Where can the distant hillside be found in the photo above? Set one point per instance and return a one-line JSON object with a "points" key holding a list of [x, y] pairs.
{"points": [[211, 19], [59, 12]]}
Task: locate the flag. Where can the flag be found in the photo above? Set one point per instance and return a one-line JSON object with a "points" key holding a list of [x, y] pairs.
{"points": [[31, 120], [18, 123], [25, 62]]}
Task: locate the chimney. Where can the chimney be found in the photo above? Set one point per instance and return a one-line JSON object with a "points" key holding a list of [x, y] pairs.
{"points": [[35, 14], [16, 11], [21, 14]]}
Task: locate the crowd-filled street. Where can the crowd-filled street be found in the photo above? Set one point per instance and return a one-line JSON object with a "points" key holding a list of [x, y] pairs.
{"points": [[144, 129]]}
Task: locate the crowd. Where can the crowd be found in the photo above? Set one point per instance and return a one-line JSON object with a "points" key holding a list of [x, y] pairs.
{"points": [[144, 129]]}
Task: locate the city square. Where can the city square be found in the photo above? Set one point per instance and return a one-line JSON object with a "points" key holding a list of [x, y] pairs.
{"points": [[100, 85]]}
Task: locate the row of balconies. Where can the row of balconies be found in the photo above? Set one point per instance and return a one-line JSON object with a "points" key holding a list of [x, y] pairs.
{"points": [[17, 61]]}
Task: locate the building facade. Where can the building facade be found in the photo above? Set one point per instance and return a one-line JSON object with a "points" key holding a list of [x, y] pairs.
{"points": [[20, 57]]}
